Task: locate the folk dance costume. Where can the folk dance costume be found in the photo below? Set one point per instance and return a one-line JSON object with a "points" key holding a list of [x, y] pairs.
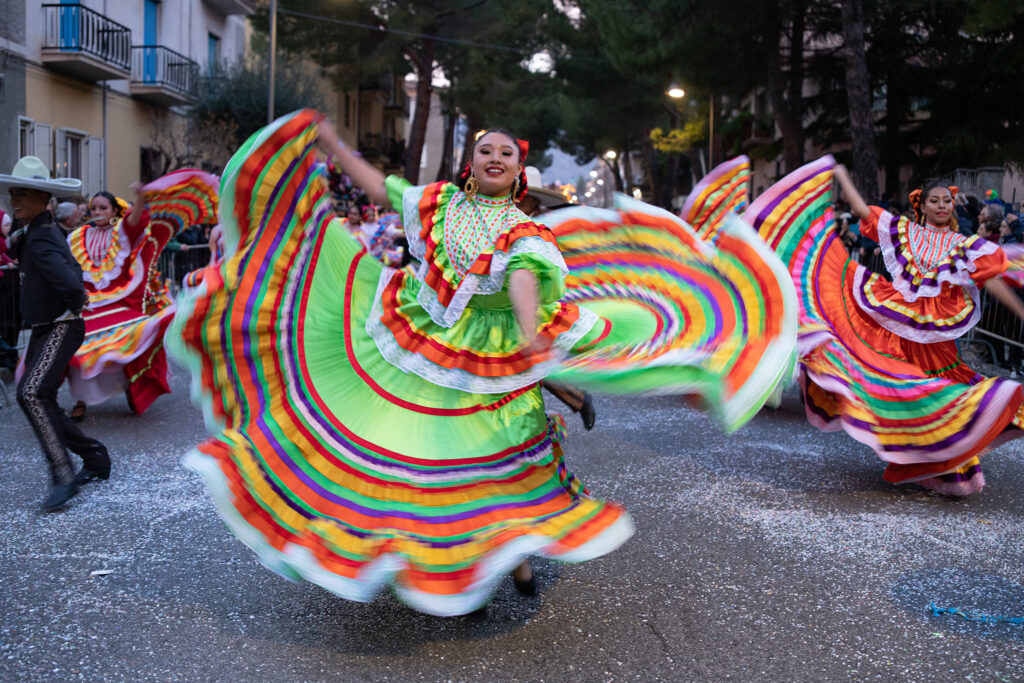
{"points": [[52, 297], [373, 427], [879, 358], [128, 309]]}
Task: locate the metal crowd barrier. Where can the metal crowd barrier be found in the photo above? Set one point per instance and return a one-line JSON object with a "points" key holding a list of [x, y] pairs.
{"points": [[1001, 331], [175, 265]]}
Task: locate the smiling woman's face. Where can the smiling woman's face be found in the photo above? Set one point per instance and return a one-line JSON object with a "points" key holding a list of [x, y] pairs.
{"points": [[496, 164], [938, 207]]}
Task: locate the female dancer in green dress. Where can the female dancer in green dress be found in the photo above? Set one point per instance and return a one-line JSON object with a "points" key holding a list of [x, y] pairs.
{"points": [[372, 427]]}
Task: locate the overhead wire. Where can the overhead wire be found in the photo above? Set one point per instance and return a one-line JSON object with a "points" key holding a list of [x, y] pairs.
{"points": [[414, 34]]}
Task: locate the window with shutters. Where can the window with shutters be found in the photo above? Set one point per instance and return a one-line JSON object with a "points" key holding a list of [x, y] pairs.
{"points": [[76, 154], [26, 137], [42, 139], [69, 153]]}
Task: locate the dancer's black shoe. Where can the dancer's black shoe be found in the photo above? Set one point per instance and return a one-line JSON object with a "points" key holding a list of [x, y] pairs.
{"points": [[86, 475], [527, 588], [60, 496], [587, 413]]}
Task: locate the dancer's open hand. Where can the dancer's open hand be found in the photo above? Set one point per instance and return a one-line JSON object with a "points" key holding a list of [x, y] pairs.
{"points": [[539, 345]]}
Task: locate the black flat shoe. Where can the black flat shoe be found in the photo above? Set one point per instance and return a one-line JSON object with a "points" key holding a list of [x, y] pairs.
{"points": [[587, 413], [85, 475], [60, 496], [526, 588], [77, 413]]}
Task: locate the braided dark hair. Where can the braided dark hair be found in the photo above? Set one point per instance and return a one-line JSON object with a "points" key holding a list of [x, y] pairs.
{"points": [[468, 170], [115, 205]]}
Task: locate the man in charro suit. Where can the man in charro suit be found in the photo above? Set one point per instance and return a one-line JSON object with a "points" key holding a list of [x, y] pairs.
{"points": [[52, 297]]}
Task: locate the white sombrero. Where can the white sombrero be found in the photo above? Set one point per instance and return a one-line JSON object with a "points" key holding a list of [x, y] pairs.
{"points": [[31, 173], [535, 188]]}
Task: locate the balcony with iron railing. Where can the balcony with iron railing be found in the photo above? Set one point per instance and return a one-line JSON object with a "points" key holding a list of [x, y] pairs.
{"points": [[229, 7], [398, 105], [84, 44], [161, 76]]}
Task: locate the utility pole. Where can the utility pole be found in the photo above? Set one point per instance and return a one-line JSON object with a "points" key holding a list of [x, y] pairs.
{"points": [[271, 61]]}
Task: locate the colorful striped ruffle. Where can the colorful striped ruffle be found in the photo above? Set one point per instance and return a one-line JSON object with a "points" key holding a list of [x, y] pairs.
{"points": [[120, 342], [678, 315], [916, 405], [935, 319], [720, 193], [330, 463], [176, 202], [182, 199], [120, 339]]}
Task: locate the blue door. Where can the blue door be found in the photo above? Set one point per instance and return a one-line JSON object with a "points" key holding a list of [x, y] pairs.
{"points": [[69, 18], [149, 66]]}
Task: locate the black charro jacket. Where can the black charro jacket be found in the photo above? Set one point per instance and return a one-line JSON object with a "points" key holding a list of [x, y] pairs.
{"points": [[51, 279]]}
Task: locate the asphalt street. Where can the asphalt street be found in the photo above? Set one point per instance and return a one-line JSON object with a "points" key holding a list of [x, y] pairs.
{"points": [[776, 553]]}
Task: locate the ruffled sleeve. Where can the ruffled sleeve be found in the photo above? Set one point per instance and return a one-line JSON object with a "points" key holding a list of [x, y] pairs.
{"points": [[395, 188], [988, 266], [869, 225], [550, 275]]}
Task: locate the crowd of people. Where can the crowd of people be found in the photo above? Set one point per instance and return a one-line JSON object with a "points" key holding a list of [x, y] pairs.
{"points": [[342, 311]]}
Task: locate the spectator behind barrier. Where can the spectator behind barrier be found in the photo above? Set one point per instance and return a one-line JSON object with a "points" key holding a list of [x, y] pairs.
{"points": [[66, 216], [1007, 234]]}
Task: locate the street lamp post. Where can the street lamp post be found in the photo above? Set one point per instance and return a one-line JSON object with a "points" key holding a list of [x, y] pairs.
{"points": [[609, 160], [675, 92], [271, 61]]}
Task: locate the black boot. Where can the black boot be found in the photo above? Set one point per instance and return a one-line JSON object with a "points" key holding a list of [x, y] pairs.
{"points": [[95, 466], [587, 413], [59, 497], [86, 475]]}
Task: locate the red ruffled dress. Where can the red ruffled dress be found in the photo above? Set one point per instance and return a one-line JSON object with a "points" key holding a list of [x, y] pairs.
{"points": [[127, 315]]}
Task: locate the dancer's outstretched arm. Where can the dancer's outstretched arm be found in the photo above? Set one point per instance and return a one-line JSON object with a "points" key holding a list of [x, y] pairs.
{"points": [[858, 206], [138, 206], [1000, 290], [364, 175]]}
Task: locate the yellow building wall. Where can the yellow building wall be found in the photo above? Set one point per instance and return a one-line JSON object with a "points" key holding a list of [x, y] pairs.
{"points": [[130, 127], [66, 103], [63, 102]]}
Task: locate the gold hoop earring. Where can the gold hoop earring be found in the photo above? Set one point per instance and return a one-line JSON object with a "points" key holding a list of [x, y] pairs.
{"points": [[472, 186], [515, 189]]}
